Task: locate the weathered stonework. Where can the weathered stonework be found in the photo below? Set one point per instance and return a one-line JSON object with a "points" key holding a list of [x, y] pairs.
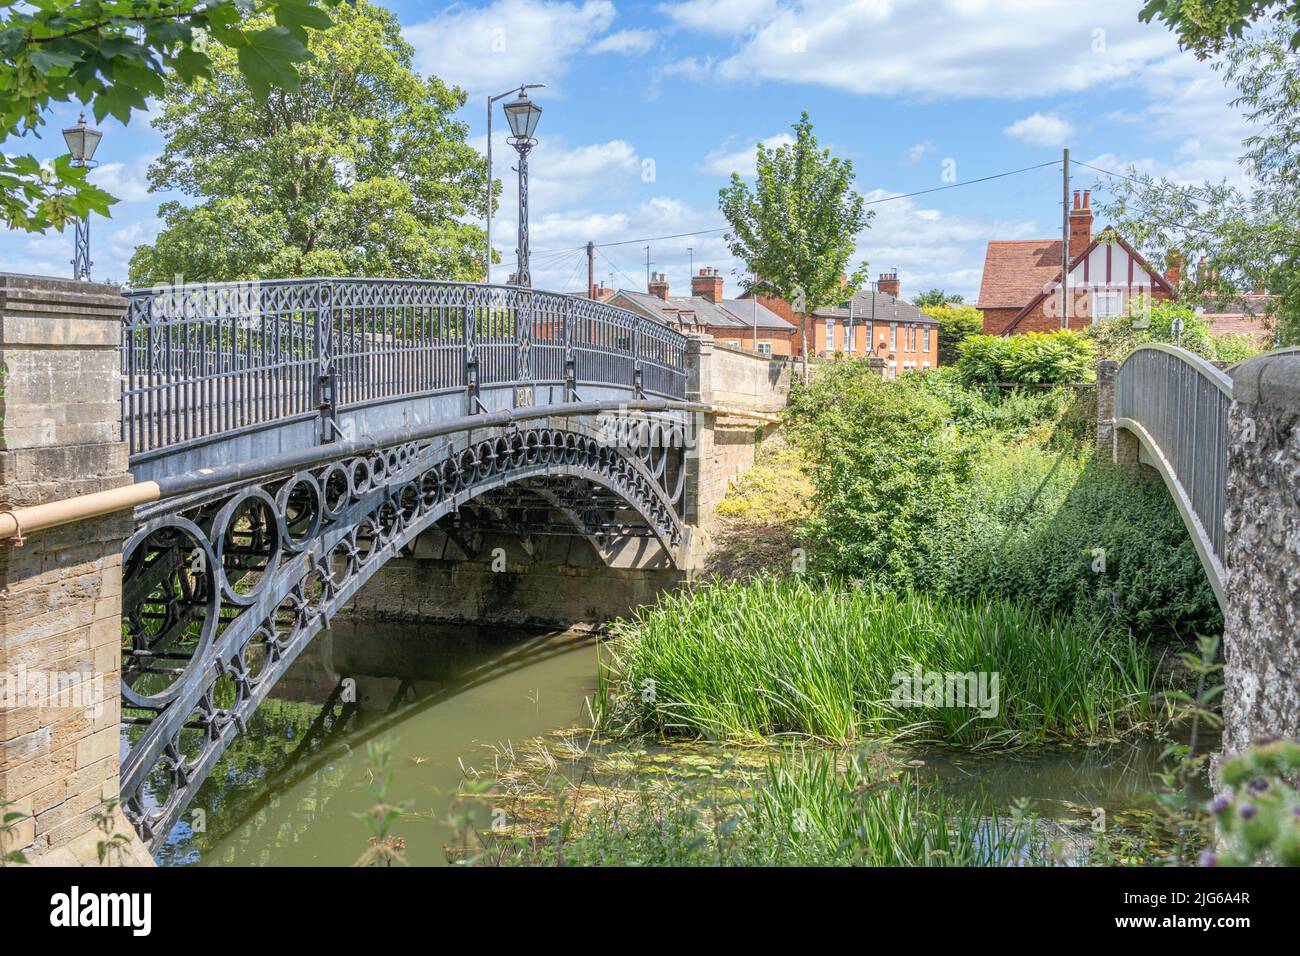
{"points": [[60, 590], [1262, 620]]}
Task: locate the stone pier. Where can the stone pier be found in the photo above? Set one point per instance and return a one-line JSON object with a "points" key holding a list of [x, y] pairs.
{"points": [[1262, 619], [60, 590]]}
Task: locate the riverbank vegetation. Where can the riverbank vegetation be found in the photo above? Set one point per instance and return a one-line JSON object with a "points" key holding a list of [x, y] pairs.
{"points": [[802, 807], [779, 657]]}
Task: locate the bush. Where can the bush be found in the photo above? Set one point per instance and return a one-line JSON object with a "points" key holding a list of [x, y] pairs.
{"points": [[956, 324], [1147, 322], [1036, 527], [1037, 358], [889, 464]]}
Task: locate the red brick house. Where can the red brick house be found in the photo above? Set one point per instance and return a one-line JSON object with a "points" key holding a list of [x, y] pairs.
{"points": [[1021, 288], [874, 322]]}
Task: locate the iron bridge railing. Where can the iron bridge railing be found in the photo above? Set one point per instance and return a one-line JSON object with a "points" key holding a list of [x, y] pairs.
{"points": [[1177, 404], [201, 362]]}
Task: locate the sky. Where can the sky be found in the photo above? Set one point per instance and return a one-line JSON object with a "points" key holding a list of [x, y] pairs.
{"points": [[649, 107]]}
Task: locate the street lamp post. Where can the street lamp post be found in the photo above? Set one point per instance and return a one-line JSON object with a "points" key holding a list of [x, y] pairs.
{"points": [[487, 270], [522, 114], [82, 142]]}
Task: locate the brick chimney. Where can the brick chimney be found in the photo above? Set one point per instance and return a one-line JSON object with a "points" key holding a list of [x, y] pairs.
{"points": [[1174, 271], [707, 285], [658, 285], [599, 292], [888, 284], [1080, 224]]}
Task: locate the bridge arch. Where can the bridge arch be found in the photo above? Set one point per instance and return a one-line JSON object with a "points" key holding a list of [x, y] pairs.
{"points": [[1171, 412], [222, 590]]}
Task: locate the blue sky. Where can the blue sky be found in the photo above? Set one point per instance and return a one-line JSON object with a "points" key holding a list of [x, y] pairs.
{"points": [[648, 106]]}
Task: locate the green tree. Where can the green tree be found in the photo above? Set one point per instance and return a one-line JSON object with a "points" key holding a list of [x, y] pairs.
{"points": [[360, 171], [956, 323], [112, 55], [935, 298], [797, 228], [1206, 26], [1250, 238]]}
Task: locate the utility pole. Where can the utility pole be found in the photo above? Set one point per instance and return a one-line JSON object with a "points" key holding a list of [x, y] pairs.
{"points": [[1065, 237], [591, 270], [647, 268], [690, 251]]}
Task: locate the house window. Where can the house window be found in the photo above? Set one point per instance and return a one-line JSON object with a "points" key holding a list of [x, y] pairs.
{"points": [[734, 343], [893, 336], [764, 348], [926, 334], [1107, 304]]}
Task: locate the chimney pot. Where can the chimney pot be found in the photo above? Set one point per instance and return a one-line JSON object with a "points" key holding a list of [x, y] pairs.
{"points": [[1076, 199], [707, 285]]}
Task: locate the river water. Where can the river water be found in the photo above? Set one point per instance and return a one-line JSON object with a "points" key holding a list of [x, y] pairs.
{"points": [[287, 792]]}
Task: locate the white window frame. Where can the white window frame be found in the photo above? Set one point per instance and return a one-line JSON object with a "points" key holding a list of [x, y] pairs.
{"points": [[764, 348], [893, 336], [926, 335], [1113, 298]]}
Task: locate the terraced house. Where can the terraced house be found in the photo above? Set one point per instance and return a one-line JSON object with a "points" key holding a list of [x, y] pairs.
{"points": [[741, 323], [876, 322]]}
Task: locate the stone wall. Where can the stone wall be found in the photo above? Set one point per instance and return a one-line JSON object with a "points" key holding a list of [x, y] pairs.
{"points": [[1262, 620], [60, 590]]}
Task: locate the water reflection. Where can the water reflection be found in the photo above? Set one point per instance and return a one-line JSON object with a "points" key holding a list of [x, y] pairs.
{"points": [[286, 791]]}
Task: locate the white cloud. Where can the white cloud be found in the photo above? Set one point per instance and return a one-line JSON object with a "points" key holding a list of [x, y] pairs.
{"points": [[724, 160], [626, 42], [689, 67], [1041, 129], [917, 152], [128, 182], [721, 17], [934, 48], [486, 49], [930, 248]]}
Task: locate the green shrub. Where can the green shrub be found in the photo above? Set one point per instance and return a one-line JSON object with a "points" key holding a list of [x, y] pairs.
{"points": [[889, 462], [1036, 524], [1146, 322], [956, 324], [772, 657], [1036, 358]]}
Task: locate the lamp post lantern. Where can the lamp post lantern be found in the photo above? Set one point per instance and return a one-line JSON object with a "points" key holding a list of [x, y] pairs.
{"points": [[82, 142], [487, 268], [522, 114]]}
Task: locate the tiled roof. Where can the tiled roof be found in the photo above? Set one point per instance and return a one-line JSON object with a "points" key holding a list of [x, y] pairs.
{"points": [[1017, 271], [687, 311], [749, 313], [1245, 316], [881, 306]]}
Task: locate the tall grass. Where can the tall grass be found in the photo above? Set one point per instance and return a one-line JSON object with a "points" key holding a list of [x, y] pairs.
{"points": [[773, 657], [805, 810]]}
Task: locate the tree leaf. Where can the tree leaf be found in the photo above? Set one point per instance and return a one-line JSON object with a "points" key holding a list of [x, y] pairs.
{"points": [[269, 60]]}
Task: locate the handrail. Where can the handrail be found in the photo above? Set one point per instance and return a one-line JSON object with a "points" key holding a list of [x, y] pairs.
{"points": [[1176, 404], [203, 362], [16, 523]]}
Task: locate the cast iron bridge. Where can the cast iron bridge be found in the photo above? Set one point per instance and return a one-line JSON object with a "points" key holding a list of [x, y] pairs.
{"points": [[296, 435]]}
